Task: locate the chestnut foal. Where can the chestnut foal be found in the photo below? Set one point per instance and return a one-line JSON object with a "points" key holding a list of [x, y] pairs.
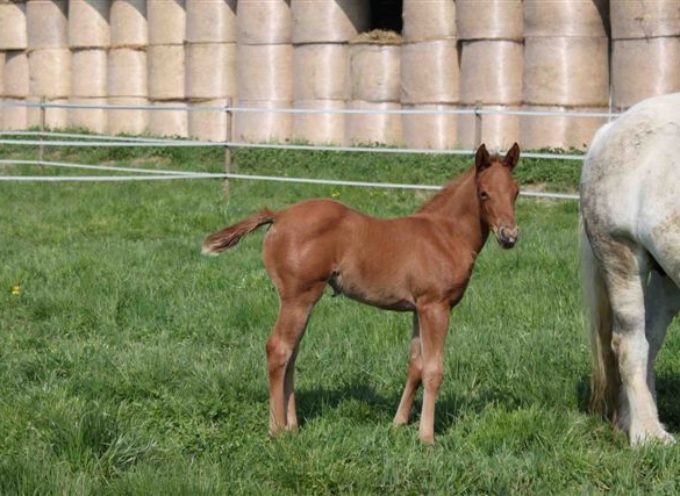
{"points": [[421, 264]]}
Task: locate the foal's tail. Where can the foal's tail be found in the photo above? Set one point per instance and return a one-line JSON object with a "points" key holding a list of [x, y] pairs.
{"points": [[223, 239], [605, 381]]}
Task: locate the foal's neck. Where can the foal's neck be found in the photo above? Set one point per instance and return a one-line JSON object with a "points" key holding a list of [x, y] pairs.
{"points": [[458, 206]]}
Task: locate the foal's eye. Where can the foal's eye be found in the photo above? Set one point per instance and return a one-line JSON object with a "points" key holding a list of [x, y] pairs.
{"points": [[483, 196]]}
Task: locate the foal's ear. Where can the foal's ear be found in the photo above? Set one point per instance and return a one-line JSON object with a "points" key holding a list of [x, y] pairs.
{"points": [[512, 157], [482, 158]]}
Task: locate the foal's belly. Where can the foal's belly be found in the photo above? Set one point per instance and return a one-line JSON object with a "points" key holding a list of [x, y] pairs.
{"points": [[377, 294]]}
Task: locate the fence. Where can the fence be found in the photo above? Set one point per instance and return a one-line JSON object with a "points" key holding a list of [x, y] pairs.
{"points": [[58, 139]]}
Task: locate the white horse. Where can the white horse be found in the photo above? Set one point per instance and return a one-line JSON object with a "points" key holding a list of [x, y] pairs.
{"points": [[630, 239]]}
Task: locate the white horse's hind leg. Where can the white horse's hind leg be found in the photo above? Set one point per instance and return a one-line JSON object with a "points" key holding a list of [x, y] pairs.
{"points": [[625, 274]]}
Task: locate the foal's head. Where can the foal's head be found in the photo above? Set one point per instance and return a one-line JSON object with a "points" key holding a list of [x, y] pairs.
{"points": [[497, 192]]}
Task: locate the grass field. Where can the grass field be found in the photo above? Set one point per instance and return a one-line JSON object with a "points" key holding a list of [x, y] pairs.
{"points": [[129, 364]]}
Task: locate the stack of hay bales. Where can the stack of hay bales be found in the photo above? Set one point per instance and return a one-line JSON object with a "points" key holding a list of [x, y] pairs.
{"points": [[166, 67], [375, 68], [126, 71], [89, 38], [14, 72], [490, 69], [49, 60], [321, 31], [211, 35], [264, 70], [565, 68], [645, 50], [429, 73]]}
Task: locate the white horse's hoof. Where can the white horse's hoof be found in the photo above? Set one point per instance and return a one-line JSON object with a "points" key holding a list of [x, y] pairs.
{"points": [[659, 435]]}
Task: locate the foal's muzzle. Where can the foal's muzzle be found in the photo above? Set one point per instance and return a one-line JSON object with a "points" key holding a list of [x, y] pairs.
{"points": [[507, 236]]}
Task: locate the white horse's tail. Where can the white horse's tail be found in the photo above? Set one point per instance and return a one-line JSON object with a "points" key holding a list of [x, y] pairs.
{"points": [[605, 381]]}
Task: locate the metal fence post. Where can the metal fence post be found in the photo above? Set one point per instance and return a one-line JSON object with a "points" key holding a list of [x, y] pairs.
{"points": [[41, 147], [227, 149], [478, 126]]}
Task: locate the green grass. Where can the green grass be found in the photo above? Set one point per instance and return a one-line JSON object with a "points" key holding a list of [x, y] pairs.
{"points": [[129, 364]]}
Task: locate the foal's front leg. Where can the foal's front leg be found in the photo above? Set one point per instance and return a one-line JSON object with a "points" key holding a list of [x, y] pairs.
{"points": [[434, 325], [414, 377]]}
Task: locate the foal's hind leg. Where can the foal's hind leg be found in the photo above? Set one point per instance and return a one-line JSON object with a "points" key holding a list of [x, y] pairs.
{"points": [[281, 352], [414, 377]]}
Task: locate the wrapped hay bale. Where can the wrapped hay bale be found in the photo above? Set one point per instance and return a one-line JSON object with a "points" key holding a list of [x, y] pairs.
{"points": [[2, 70], [559, 131], [264, 72], [431, 20], [566, 17], [210, 125], [320, 128], [498, 131], [13, 34], [375, 67], [167, 22], [490, 19], [54, 118], [50, 72], [211, 70], [644, 19], [92, 119], [566, 71], [375, 127], [166, 72], [211, 21], [491, 72], [169, 122], [47, 24], [321, 71], [16, 75], [328, 21], [425, 130], [14, 118], [260, 127], [126, 73], [88, 72], [128, 24], [264, 22], [133, 121], [88, 23], [644, 68], [429, 72]]}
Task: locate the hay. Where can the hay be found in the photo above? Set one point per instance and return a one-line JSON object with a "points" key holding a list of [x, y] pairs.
{"points": [[13, 34], [429, 72], [644, 19], [211, 21], [498, 132], [566, 17], [88, 23], [211, 70], [321, 71], [209, 125], [166, 72], [559, 131], [128, 24], [260, 127], [490, 19], [88, 73], [491, 72], [375, 71], [372, 129], [264, 22], [436, 131], [169, 122], [644, 68], [92, 119], [328, 21], [50, 73], [566, 71], [431, 20], [320, 128], [378, 37], [167, 22], [47, 24], [265, 72], [55, 118], [127, 121], [14, 118], [126, 73], [16, 75]]}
